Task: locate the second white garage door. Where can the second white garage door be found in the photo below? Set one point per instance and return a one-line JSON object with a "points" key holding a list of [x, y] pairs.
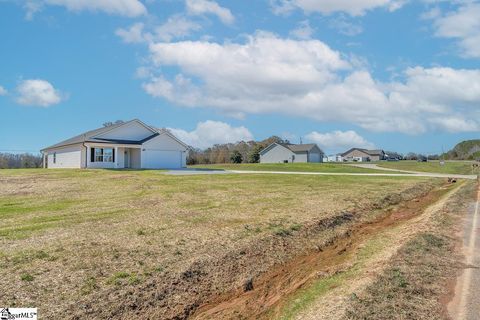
{"points": [[161, 159]]}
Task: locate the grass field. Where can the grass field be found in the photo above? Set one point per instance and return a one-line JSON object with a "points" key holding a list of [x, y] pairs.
{"points": [[455, 167], [106, 243], [301, 167]]}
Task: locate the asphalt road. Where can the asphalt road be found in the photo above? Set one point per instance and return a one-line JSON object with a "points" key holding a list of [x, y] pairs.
{"points": [[466, 302]]}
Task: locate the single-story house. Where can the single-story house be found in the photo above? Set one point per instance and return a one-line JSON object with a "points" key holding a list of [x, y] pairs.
{"points": [[286, 153], [361, 155], [131, 144]]}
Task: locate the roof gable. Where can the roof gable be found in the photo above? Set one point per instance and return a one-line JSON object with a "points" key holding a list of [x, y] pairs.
{"points": [[273, 145], [166, 133], [133, 130]]}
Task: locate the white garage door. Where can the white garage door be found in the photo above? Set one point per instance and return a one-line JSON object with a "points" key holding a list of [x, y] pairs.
{"points": [[161, 159]]}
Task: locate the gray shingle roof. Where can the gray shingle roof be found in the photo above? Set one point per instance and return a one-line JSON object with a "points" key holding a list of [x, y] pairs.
{"points": [[300, 147], [369, 152], [375, 152], [89, 137]]}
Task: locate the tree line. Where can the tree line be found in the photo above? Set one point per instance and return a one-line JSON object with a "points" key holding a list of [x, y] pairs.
{"points": [[20, 160], [248, 152], [240, 152]]}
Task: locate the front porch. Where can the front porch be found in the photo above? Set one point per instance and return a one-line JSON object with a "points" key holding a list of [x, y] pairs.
{"points": [[113, 156]]}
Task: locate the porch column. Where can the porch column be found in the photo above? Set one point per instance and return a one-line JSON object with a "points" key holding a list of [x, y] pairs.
{"points": [[116, 157], [44, 162], [88, 156]]}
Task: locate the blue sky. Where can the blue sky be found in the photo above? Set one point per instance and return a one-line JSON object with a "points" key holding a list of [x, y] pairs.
{"points": [[394, 74]]}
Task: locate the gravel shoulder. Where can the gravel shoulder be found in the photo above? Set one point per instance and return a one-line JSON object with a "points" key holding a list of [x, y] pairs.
{"points": [[465, 304]]}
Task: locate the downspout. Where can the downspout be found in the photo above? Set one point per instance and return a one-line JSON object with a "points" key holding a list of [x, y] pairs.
{"points": [[86, 155]]}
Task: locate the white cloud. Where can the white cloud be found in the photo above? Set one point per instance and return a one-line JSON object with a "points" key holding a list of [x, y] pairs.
{"points": [[342, 25], [134, 34], [351, 7], [3, 91], [31, 7], [201, 7], [208, 133], [176, 27], [142, 72], [127, 8], [38, 93], [304, 31], [339, 140], [455, 124], [268, 74], [463, 25]]}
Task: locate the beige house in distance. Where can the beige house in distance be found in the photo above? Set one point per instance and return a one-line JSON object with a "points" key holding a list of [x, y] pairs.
{"points": [[291, 153], [362, 155]]}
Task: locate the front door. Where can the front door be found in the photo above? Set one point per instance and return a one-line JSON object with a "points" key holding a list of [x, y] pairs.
{"points": [[127, 158]]}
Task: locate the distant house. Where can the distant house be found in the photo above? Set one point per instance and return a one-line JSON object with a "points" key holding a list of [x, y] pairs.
{"points": [[361, 155], [131, 144], [333, 158], [289, 153]]}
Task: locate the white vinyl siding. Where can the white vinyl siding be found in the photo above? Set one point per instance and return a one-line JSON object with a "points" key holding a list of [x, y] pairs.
{"points": [[67, 157]]}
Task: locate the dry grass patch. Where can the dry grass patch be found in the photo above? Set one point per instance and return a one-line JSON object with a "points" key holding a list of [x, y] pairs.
{"points": [[417, 277], [112, 243]]}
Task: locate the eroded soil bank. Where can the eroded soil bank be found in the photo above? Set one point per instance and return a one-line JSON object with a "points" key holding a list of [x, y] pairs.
{"points": [[253, 279], [265, 297]]}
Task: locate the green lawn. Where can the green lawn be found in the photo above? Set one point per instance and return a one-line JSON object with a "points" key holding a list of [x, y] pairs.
{"points": [[457, 167], [301, 167]]}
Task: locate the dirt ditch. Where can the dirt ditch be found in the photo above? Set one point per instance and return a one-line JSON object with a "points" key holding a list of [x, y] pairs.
{"points": [[265, 295], [252, 281]]}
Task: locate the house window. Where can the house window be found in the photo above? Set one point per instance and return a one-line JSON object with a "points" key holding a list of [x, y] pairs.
{"points": [[102, 155], [54, 157]]}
